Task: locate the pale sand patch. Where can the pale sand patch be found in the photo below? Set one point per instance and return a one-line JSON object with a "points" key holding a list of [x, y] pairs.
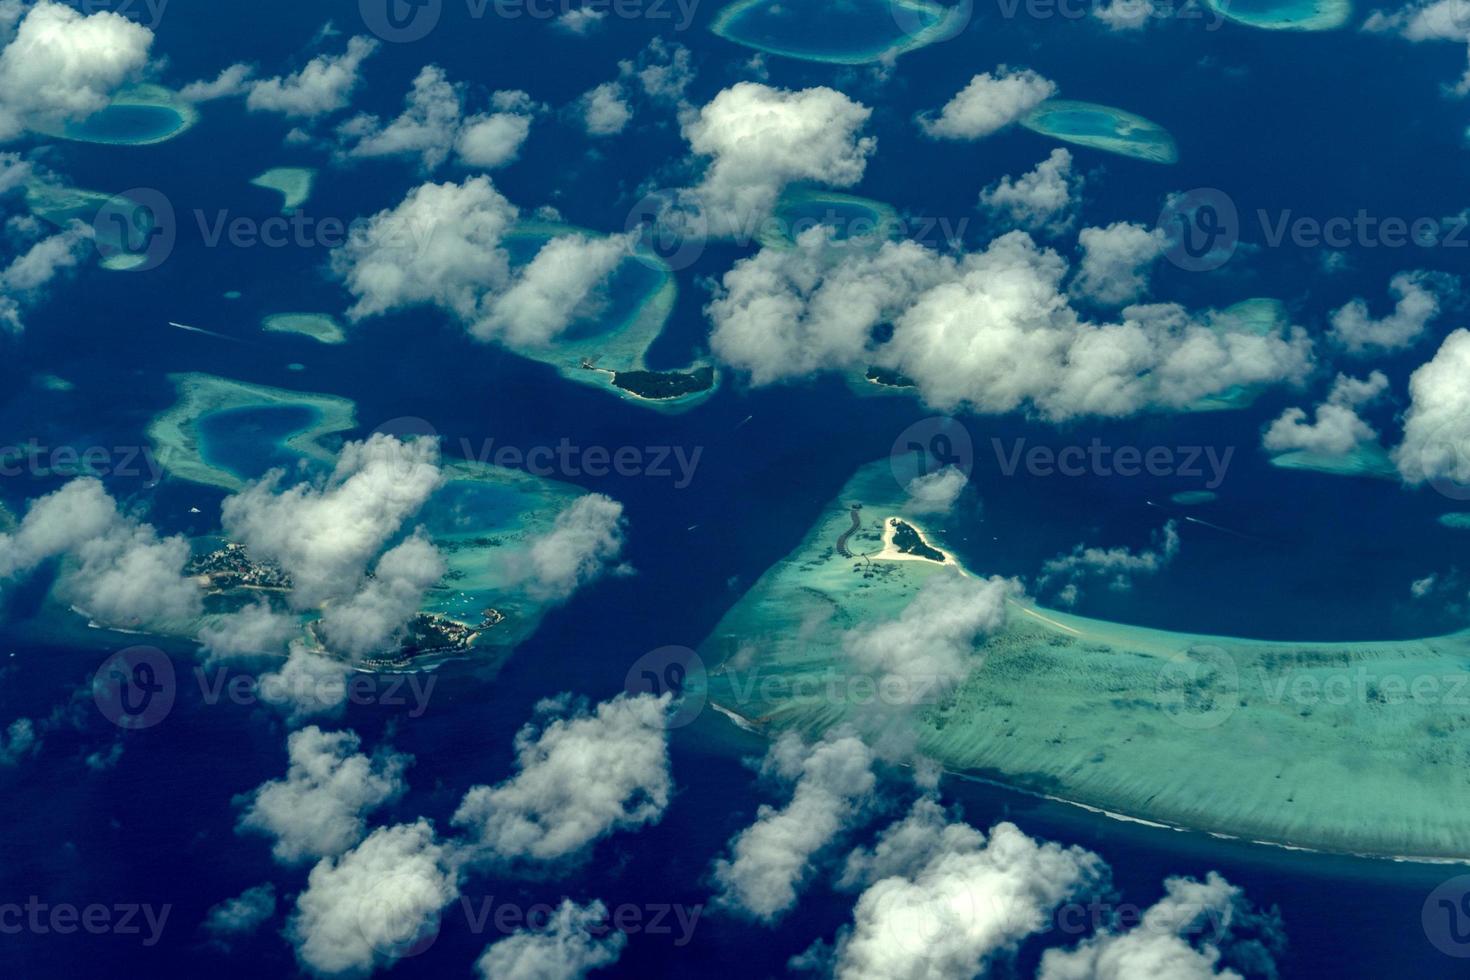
{"points": [[890, 552]]}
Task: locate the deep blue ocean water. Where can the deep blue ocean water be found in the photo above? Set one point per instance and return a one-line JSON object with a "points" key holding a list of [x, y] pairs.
{"points": [[1321, 125]]}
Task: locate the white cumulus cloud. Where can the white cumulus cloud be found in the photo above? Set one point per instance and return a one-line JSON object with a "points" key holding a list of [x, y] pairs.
{"points": [[581, 774]]}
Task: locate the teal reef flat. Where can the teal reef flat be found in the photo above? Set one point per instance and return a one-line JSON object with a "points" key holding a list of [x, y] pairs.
{"points": [[292, 183], [1368, 460], [184, 436], [1103, 128], [60, 206], [1235, 737], [850, 32], [318, 326]]}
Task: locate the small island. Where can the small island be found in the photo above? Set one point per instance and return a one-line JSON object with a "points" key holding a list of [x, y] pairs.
{"points": [[665, 384], [888, 379], [231, 567], [905, 539]]}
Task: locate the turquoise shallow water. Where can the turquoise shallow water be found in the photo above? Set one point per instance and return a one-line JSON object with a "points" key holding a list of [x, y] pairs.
{"points": [[1348, 747]]}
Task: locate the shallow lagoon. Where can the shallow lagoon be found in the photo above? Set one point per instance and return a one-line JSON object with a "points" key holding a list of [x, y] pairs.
{"points": [[849, 32], [138, 116], [223, 432], [1103, 128], [192, 438], [1348, 747]]}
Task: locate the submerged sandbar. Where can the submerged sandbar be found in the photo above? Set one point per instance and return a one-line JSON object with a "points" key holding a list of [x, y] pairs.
{"points": [[292, 183], [318, 326], [1346, 747], [1103, 128]]}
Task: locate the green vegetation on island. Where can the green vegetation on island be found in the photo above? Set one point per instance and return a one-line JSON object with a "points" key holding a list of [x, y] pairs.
{"points": [[665, 384], [909, 542]]}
